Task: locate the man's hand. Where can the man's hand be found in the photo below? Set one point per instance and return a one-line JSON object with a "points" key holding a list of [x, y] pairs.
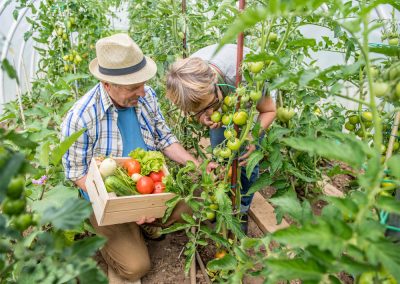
{"points": [[145, 220], [243, 159]]}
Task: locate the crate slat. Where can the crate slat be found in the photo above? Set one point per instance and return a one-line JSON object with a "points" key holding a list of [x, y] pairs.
{"points": [[119, 217], [137, 202]]}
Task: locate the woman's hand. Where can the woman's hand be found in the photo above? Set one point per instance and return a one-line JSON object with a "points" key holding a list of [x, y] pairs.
{"points": [[205, 119], [243, 159]]}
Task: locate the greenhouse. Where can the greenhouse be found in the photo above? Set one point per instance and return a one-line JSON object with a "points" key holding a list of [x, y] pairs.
{"points": [[200, 141]]}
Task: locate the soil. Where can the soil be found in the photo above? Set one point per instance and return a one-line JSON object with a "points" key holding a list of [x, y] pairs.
{"points": [[168, 261]]}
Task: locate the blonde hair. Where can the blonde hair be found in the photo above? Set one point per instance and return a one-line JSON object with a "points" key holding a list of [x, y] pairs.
{"points": [[189, 82]]}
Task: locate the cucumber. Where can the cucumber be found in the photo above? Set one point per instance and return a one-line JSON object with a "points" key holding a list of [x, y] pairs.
{"points": [[114, 184]]}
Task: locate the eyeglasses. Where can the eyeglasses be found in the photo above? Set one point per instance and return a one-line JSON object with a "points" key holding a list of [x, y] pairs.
{"points": [[216, 102]]}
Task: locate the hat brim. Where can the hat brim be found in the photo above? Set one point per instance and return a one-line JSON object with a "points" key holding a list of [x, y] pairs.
{"points": [[143, 75]]}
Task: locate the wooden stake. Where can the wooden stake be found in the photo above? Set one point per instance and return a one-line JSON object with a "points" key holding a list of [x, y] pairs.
{"points": [[393, 136], [193, 267], [202, 267]]}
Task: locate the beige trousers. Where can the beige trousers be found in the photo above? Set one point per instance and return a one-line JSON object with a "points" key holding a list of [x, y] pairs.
{"points": [[125, 250]]}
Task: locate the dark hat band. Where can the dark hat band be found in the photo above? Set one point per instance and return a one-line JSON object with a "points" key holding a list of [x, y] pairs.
{"points": [[123, 71]]}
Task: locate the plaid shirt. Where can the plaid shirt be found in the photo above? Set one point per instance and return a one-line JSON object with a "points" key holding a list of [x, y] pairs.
{"points": [[96, 112]]}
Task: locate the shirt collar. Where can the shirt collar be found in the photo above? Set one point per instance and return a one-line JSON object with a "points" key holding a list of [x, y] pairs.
{"points": [[105, 99]]}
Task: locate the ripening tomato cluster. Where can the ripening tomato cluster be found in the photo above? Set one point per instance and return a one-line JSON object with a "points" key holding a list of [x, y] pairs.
{"points": [[153, 183], [229, 117], [15, 203]]}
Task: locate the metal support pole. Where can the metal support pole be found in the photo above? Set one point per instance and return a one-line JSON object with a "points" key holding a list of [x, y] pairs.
{"points": [[239, 59]]}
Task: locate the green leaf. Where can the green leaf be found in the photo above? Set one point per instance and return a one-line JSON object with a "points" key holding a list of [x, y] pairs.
{"points": [[189, 219], [387, 254], [394, 166], [44, 154], [304, 42], [388, 204], [93, 275], [6, 66], [246, 19], [228, 262], [329, 148], [170, 207], [56, 197], [253, 161], [262, 182], [73, 212], [14, 164], [288, 203], [217, 238], [87, 247], [63, 147], [296, 268], [175, 227], [306, 77]]}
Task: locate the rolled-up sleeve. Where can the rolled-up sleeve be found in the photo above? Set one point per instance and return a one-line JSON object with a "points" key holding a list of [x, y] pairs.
{"points": [[79, 155]]}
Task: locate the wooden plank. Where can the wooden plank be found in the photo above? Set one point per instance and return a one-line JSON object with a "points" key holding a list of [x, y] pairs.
{"points": [[98, 180], [329, 189], [263, 214], [120, 217]]}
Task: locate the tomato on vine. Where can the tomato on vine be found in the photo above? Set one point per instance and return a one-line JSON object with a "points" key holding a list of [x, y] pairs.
{"points": [[256, 67], [226, 119], [234, 145], [225, 153], [380, 89], [230, 133], [16, 187], [272, 37], [255, 96], [216, 116], [240, 118]]}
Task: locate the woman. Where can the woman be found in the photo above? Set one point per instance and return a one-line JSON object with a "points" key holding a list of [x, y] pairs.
{"points": [[198, 85]]}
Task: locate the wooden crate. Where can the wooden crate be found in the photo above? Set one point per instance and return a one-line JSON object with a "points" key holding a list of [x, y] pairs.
{"points": [[111, 209]]}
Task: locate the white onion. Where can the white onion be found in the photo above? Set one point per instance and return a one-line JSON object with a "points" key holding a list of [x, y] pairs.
{"points": [[107, 167], [135, 177]]}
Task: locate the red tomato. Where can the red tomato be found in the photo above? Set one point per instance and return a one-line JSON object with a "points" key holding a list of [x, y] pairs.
{"points": [[145, 185], [159, 187], [132, 166], [156, 176]]}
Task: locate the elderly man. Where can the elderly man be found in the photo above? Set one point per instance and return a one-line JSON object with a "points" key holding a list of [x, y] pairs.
{"points": [[120, 114]]}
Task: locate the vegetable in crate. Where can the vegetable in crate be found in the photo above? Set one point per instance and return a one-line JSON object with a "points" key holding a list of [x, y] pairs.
{"points": [[150, 161], [107, 167], [120, 183]]}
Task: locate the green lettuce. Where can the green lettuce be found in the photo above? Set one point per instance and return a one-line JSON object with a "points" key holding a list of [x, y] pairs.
{"points": [[150, 161]]}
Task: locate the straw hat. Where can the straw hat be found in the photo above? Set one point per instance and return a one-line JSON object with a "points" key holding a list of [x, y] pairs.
{"points": [[121, 61]]}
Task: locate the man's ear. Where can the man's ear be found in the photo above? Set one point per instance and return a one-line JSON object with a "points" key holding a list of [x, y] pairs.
{"points": [[106, 85]]}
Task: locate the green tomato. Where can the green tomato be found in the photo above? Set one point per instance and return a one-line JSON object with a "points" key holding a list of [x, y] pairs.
{"points": [[226, 119], [367, 124], [213, 206], [349, 126], [373, 71], [216, 116], [380, 89], [366, 116], [240, 118], [210, 215], [229, 101], [216, 152], [360, 133], [256, 67], [394, 41], [23, 221], [234, 145], [225, 153], [272, 37], [16, 187], [255, 96], [224, 108], [13, 207], [230, 133], [354, 119], [244, 98], [240, 91]]}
